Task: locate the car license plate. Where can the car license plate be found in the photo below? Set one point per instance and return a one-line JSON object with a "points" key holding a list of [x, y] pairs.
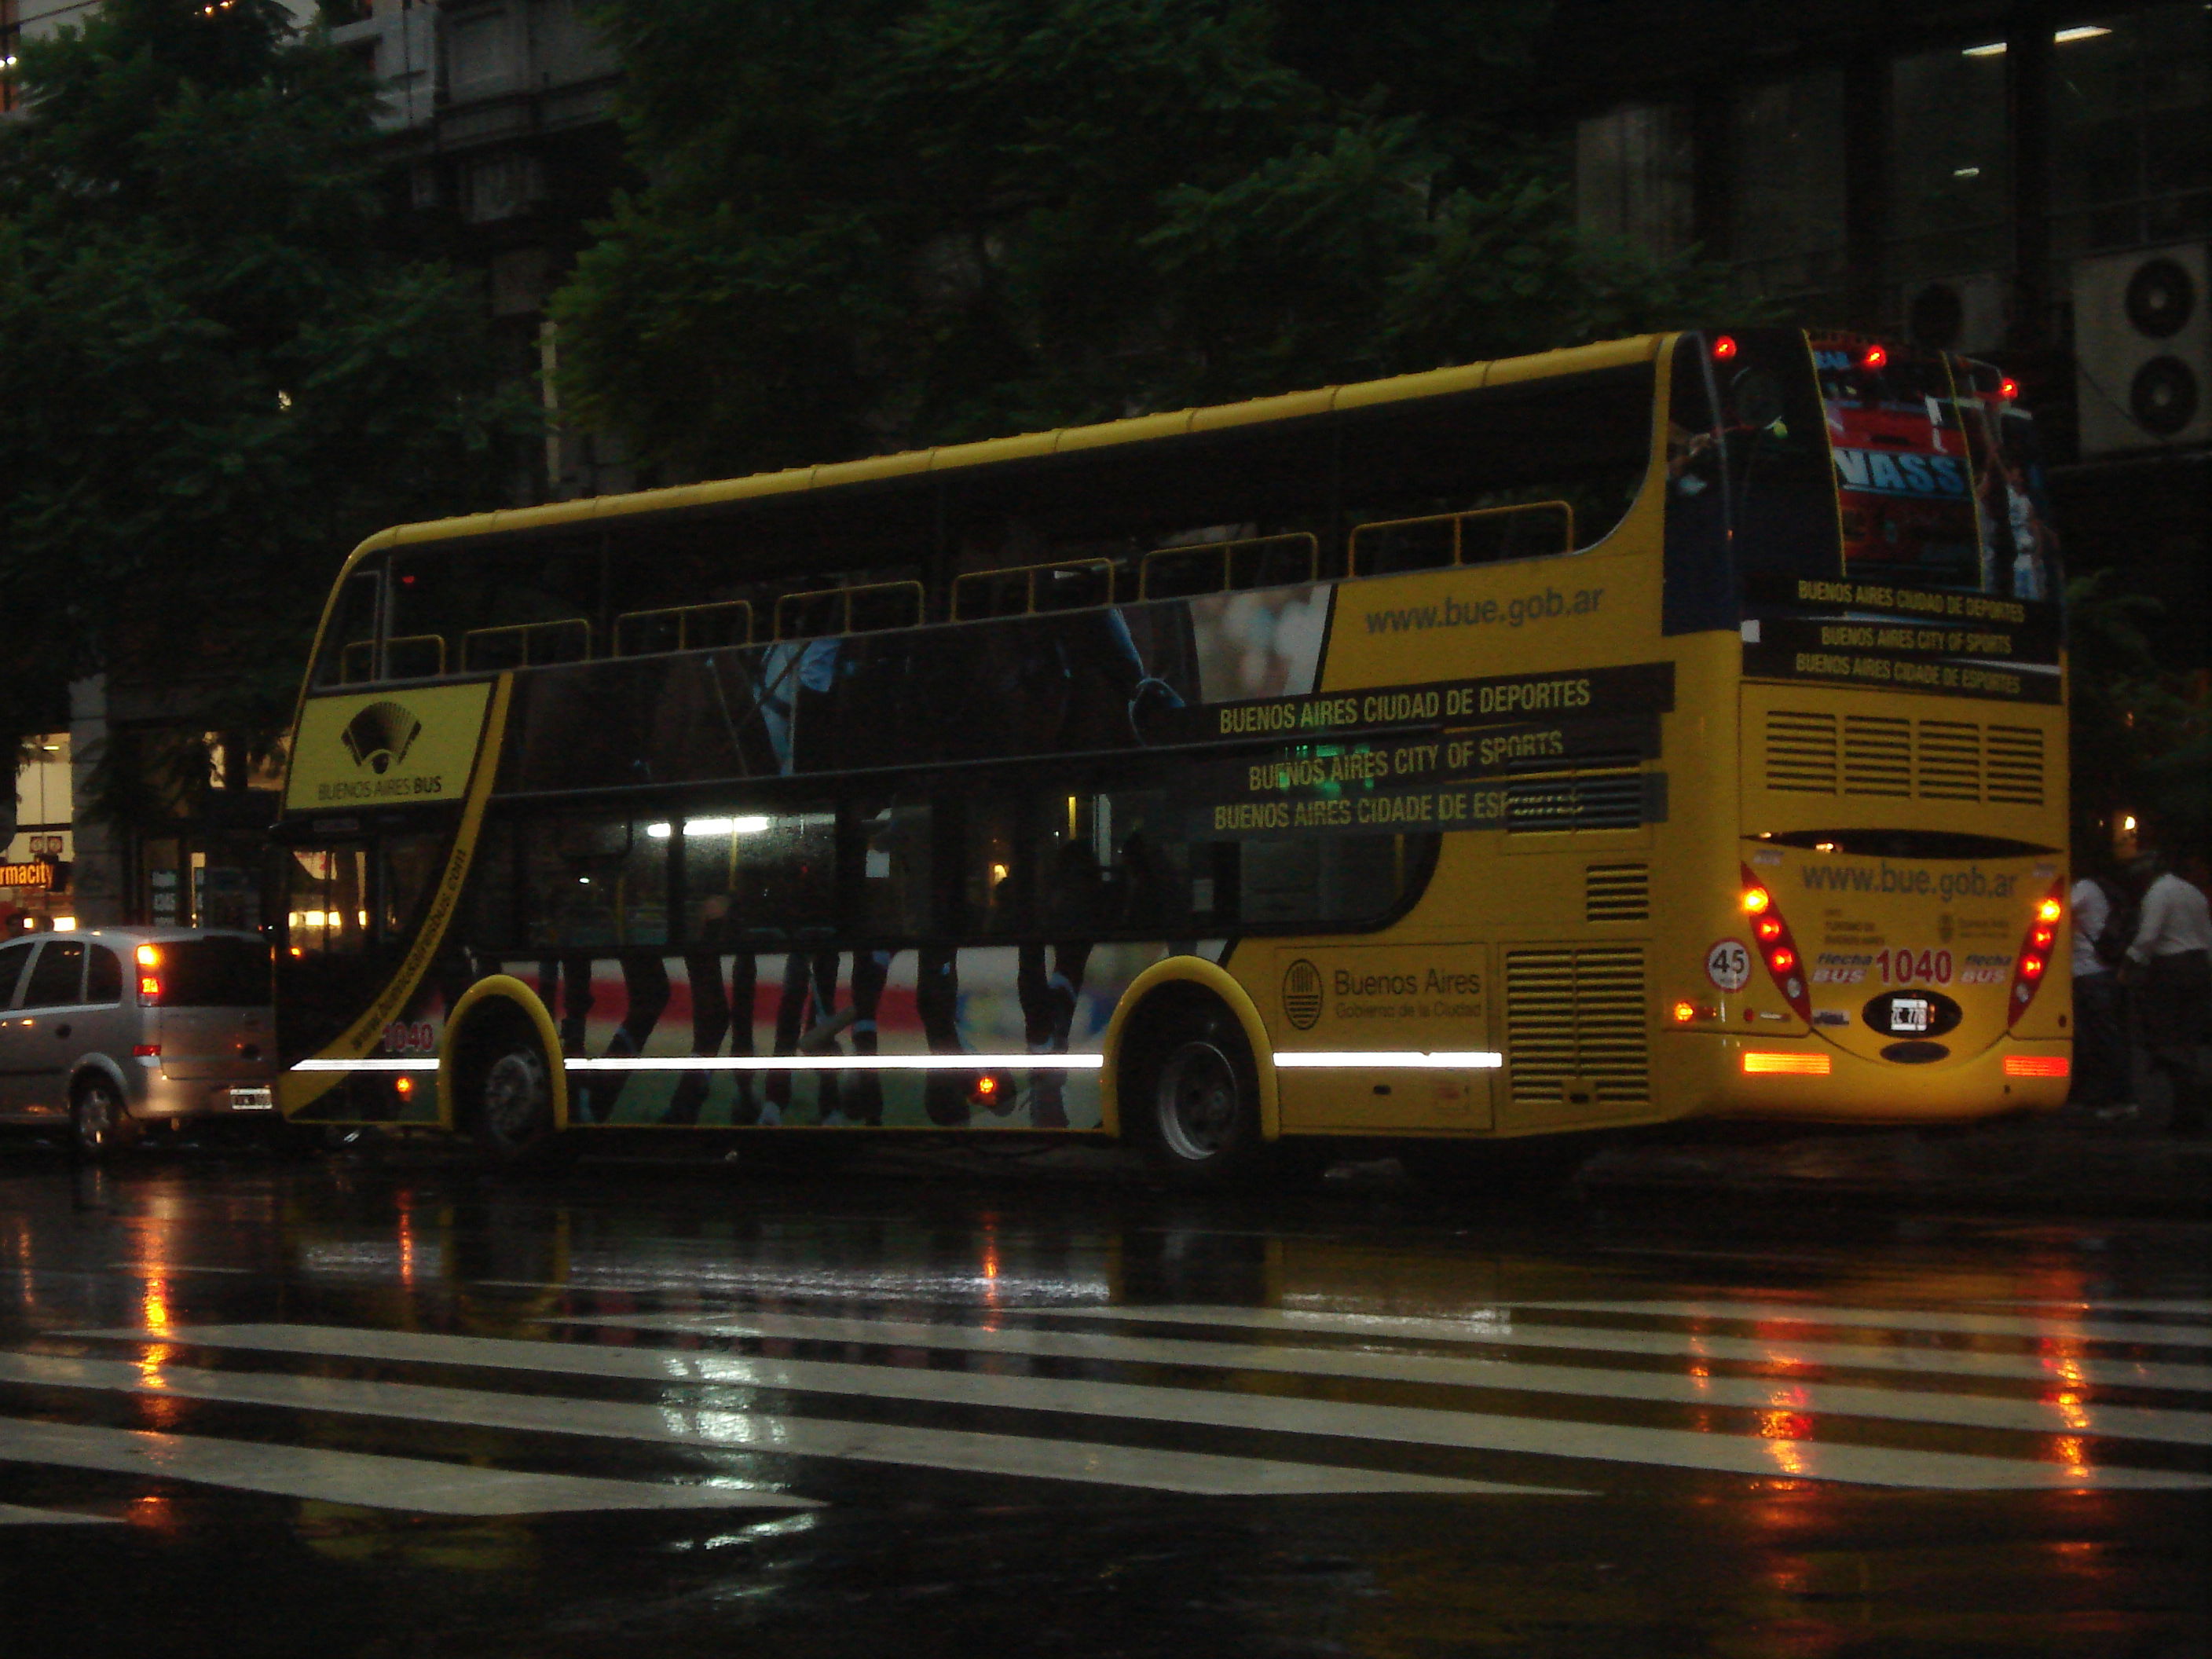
{"points": [[251, 1100]]}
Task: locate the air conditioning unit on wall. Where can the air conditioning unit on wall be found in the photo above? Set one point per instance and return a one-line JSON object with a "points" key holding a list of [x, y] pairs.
{"points": [[1959, 313], [2142, 348]]}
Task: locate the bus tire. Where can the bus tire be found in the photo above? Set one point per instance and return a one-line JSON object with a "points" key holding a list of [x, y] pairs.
{"points": [[1190, 1095], [102, 1128], [505, 1094]]}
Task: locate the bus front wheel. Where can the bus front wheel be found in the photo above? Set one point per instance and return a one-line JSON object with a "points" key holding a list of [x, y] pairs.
{"points": [[506, 1086], [1191, 1098]]}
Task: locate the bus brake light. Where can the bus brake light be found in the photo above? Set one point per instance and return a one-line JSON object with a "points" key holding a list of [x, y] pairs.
{"points": [[2008, 388], [2037, 1066], [2035, 949], [1723, 348], [1875, 357], [1775, 944]]}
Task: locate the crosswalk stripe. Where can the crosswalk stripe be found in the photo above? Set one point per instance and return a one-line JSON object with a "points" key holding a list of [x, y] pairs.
{"points": [[2069, 1416], [1405, 1424], [2057, 1328], [2183, 1309], [368, 1480], [16, 1515], [2098, 1370], [720, 1430]]}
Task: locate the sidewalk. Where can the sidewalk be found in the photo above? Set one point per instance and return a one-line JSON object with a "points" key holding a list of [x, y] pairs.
{"points": [[2062, 1165]]}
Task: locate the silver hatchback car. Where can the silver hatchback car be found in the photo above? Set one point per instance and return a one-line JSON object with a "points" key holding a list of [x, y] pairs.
{"points": [[121, 1028]]}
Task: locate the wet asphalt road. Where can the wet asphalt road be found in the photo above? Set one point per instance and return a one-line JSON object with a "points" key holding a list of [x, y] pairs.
{"points": [[404, 1408]]}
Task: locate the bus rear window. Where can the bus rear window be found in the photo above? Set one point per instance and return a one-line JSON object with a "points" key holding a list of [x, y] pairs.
{"points": [[1936, 487], [214, 972]]}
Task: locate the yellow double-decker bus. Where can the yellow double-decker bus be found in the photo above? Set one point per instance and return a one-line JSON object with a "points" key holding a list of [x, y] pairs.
{"points": [[1662, 728]]}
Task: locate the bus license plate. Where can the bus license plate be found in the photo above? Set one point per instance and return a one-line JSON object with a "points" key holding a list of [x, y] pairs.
{"points": [[251, 1100]]}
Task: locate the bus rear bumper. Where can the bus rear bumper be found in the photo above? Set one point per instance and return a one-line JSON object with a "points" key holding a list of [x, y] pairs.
{"points": [[1809, 1079]]}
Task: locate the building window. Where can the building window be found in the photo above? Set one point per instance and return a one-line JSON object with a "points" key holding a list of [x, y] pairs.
{"points": [[1786, 231], [2131, 105], [1950, 177], [1633, 168], [11, 42]]}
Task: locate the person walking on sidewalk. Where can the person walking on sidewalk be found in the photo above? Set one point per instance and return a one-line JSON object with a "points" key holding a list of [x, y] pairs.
{"points": [[2173, 952], [2104, 928]]}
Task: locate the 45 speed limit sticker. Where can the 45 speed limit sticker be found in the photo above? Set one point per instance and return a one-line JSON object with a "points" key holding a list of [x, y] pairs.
{"points": [[1728, 964]]}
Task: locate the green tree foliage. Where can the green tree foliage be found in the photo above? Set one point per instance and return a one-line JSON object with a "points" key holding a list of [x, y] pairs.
{"points": [[877, 224], [214, 374]]}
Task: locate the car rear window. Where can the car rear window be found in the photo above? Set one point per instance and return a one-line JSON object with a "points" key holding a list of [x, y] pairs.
{"points": [[214, 972]]}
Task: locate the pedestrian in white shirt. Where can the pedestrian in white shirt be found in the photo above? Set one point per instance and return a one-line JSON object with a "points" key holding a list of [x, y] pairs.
{"points": [[2104, 1079], [2172, 953]]}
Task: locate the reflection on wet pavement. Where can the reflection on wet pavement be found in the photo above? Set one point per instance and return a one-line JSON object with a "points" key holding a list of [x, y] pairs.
{"points": [[622, 1407]]}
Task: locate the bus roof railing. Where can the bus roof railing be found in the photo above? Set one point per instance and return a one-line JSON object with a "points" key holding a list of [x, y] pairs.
{"points": [[683, 628], [357, 661], [532, 644], [880, 605], [1070, 585], [1215, 566], [1455, 524]]}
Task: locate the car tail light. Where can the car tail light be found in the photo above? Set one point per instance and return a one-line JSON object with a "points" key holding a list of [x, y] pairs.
{"points": [[146, 1051], [150, 978], [2034, 960], [1776, 947]]}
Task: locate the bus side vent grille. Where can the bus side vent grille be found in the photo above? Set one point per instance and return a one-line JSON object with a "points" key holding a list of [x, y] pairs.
{"points": [[1617, 892], [1877, 756], [1599, 800], [1801, 751], [2015, 764], [1948, 761], [1575, 1020]]}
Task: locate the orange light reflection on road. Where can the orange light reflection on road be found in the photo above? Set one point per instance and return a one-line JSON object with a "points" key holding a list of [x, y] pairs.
{"points": [[2063, 1356], [1783, 1430], [154, 1511], [404, 1202], [154, 1306], [2072, 1451]]}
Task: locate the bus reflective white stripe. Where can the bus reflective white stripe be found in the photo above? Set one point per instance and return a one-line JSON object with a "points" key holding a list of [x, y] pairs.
{"points": [[765, 1063], [423, 1065], [1446, 1059], [1385, 1060]]}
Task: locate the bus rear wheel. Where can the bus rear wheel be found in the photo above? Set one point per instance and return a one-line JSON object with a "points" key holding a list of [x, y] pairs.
{"points": [[1192, 1098]]}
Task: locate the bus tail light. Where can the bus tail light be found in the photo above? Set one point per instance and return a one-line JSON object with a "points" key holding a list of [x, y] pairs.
{"points": [[1776, 947], [2034, 960], [1758, 1061], [2037, 1066]]}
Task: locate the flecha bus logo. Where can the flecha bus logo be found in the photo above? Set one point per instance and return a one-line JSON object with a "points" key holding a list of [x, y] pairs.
{"points": [[379, 736]]}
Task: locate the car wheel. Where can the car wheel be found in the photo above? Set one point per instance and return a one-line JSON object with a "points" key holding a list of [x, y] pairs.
{"points": [[101, 1126], [1194, 1107]]}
